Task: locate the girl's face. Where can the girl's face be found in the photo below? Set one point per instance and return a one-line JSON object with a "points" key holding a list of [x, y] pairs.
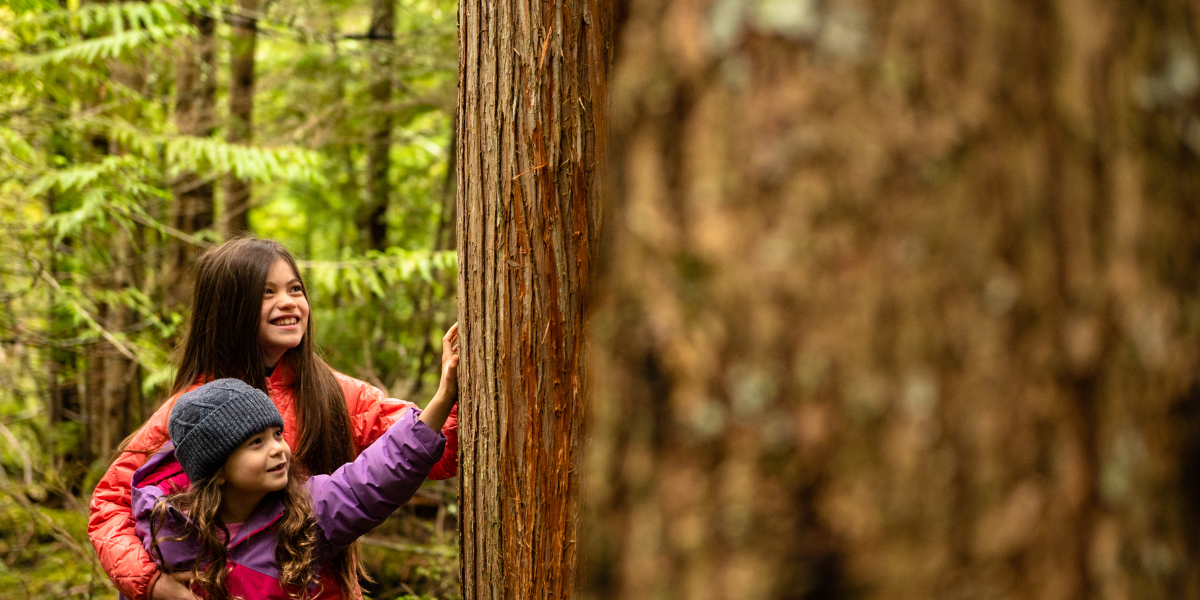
{"points": [[259, 465], [284, 316]]}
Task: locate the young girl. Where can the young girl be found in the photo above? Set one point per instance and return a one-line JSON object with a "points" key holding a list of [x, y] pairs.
{"points": [[243, 524], [250, 321]]}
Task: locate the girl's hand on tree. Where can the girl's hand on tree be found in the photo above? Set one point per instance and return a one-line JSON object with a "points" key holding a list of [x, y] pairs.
{"points": [[449, 383], [438, 409]]}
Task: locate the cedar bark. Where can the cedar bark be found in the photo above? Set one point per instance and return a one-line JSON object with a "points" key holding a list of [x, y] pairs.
{"points": [[532, 129], [195, 114], [897, 303], [382, 32], [240, 126]]}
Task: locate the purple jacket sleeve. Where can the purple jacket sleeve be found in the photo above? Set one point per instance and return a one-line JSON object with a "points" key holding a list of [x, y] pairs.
{"points": [[360, 495]]}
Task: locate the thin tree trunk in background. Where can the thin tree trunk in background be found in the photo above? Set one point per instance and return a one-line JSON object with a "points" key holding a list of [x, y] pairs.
{"points": [[111, 385], [443, 239], [195, 114], [116, 395], [899, 303], [240, 127], [379, 147], [532, 128], [92, 401], [109, 375], [61, 378]]}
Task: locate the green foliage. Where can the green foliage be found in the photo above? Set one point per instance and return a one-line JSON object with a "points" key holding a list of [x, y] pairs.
{"points": [[46, 552], [90, 164], [119, 44]]}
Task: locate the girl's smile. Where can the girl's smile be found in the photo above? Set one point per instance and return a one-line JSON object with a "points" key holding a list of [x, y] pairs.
{"points": [[284, 312], [260, 464]]}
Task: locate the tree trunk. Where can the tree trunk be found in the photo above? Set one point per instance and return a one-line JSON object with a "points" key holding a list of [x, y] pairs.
{"points": [[531, 128], [116, 394], [112, 384], [899, 303], [443, 239], [240, 129], [383, 29], [195, 115]]}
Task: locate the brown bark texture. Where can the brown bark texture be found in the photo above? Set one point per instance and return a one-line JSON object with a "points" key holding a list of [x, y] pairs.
{"points": [[195, 114], [240, 127], [531, 131], [899, 300]]}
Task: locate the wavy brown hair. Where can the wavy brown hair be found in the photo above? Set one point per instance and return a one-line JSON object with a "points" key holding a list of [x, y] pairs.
{"points": [[222, 341], [296, 537]]}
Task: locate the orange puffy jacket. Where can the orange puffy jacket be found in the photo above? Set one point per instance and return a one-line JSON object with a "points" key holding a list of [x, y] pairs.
{"points": [[111, 522]]}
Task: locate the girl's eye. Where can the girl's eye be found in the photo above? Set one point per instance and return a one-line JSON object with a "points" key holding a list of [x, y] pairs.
{"points": [[297, 288]]}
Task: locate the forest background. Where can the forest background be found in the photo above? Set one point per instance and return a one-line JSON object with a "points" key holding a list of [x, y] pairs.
{"points": [[132, 136], [974, 219]]}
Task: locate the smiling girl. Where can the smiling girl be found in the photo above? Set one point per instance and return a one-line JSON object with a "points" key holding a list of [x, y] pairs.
{"points": [[247, 526], [250, 321]]}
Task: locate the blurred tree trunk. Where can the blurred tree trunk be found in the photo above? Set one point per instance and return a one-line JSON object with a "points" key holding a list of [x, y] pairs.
{"points": [[379, 147], [116, 393], [109, 372], [900, 302], [531, 128], [240, 127], [113, 383], [195, 114], [443, 239]]}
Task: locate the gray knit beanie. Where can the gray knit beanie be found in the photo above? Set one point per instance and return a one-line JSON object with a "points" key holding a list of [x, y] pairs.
{"points": [[208, 423]]}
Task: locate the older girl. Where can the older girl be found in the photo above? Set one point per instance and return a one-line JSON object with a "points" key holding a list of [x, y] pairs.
{"points": [[250, 321]]}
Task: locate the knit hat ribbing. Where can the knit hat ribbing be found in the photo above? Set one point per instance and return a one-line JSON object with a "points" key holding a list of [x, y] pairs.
{"points": [[208, 423]]}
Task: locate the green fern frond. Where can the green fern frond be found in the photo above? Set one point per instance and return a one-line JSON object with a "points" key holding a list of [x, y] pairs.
{"points": [[83, 176], [377, 271], [103, 48], [94, 18], [212, 155], [14, 148]]}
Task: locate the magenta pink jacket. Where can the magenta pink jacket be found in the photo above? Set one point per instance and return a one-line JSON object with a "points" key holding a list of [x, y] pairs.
{"points": [[111, 521], [348, 504]]}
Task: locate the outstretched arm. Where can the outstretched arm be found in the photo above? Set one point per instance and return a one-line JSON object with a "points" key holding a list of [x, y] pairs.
{"points": [[360, 495], [372, 412]]}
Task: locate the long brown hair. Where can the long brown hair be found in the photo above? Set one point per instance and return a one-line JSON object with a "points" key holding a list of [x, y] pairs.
{"points": [[296, 537], [223, 341]]}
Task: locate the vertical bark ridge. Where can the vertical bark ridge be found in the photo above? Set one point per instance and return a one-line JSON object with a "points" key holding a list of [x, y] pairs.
{"points": [[528, 209]]}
